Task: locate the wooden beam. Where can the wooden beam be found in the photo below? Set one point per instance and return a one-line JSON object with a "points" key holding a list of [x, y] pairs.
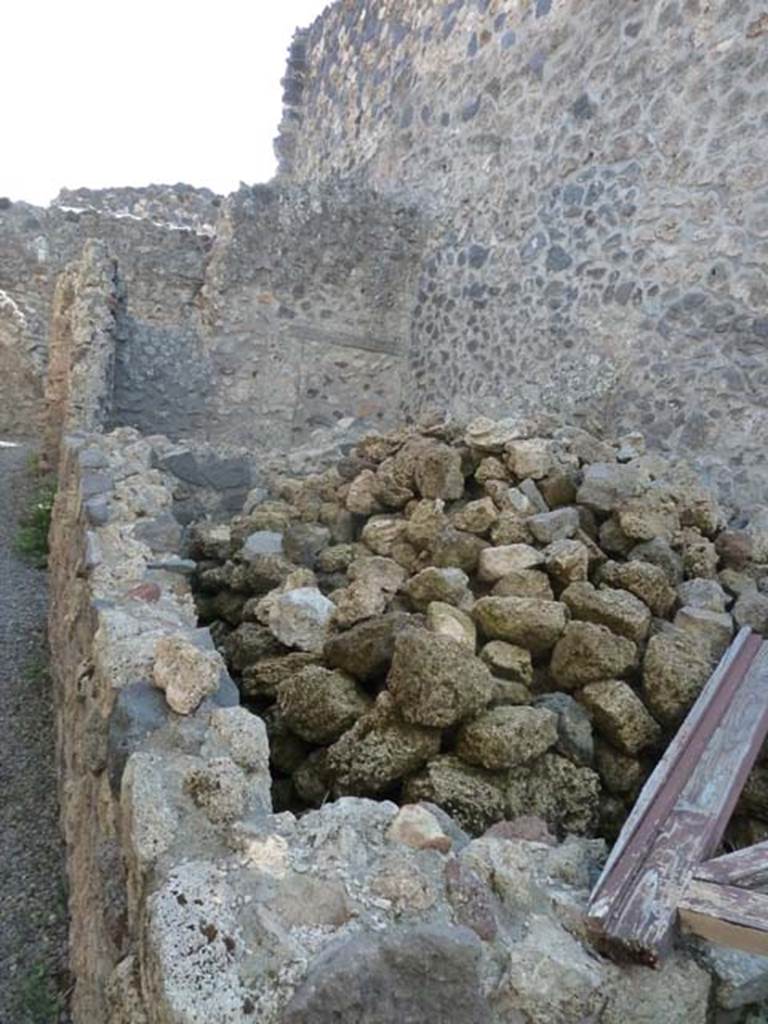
{"points": [[650, 807], [684, 807], [726, 915], [745, 869]]}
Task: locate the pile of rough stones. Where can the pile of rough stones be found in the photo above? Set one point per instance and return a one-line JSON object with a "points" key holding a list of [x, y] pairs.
{"points": [[499, 619]]}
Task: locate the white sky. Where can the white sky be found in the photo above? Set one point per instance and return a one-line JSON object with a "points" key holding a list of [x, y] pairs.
{"points": [[111, 93]]}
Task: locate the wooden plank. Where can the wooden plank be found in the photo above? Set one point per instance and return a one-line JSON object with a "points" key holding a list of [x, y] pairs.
{"points": [[684, 808], [745, 869], [693, 829], [649, 810], [726, 915], [664, 785]]}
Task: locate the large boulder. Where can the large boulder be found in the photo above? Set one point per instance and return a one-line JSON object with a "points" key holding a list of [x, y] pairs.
{"points": [[376, 571], [677, 992], [262, 542], [300, 618], [408, 973], [531, 458], [621, 774], [426, 522], [265, 572], [700, 556], [495, 563], [437, 472], [374, 581], [476, 516], [549, 977], [659, 552], [418, 827], [447, 585], [548, 527], [757, 531], [488, 435], [338, 557], [435, 680], [567, 561], [473, 796], [305, 541], [248, 644], [674, 670], [382, 533], [507, 661], [587, 653], [712, 630], [526, 622], [185, 673], [564, 795], [524, 583], [645, 580], [574, 727], [734, 549], [445, 620], [262, 679], [379, 749], [319, 705], [621, 716], [507, 736], [207, 540], [751, 609], [456, 549], [362, 496], [654, 514], [361, 600], [365, 651], [511, 527], [606, 485], [619, 610], [706, 594]]}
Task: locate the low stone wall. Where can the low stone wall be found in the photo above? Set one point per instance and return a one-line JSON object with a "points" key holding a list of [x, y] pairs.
{"points": [[79, 381], [107, 613], [191, 901]]}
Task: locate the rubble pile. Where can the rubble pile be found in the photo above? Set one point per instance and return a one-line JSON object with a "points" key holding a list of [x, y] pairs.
{"points": [[502, 619]]}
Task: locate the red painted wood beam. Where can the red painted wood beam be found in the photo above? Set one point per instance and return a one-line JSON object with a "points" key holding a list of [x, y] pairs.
{"points": [[683, 810]]}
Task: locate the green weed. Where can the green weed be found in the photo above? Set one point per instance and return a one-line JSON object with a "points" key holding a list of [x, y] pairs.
{"points": [[40, 1003], [37, 670], [34, 525]]}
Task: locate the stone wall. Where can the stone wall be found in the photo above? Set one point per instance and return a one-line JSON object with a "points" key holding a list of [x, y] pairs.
{"points": [[191, 901], [178, 206], [159, 271], [306, 311], [108, 610], [79, 385], [487, 206], [596, 172], [292, 319]]}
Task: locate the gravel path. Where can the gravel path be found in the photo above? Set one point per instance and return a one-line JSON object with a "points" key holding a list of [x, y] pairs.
{"points": [[32, 894]]}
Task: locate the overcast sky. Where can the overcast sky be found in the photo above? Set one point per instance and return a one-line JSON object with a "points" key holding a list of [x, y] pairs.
{"points": [[98, 94]]}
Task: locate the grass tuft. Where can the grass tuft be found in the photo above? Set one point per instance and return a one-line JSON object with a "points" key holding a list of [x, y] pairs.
{"points": [[37, 671], [34, 525], [40, 1003]]}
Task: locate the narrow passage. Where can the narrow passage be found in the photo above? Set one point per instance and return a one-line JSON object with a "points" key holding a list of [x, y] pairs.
{"points": [[32, 892]]}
